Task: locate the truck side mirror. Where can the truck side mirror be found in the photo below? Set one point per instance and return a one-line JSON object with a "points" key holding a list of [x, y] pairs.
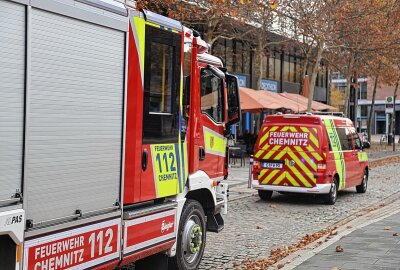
{"points": [[366, 144], [232, 86]]}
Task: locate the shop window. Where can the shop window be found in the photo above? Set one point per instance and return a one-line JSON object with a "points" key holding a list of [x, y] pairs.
{"points": [[286, 69]]}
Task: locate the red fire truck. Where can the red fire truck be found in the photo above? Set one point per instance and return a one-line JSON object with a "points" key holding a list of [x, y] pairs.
{"points": [[113, 126]]}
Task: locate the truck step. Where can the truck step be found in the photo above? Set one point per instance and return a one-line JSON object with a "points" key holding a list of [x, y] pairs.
{"points": [[146, 210], [215, 223]]}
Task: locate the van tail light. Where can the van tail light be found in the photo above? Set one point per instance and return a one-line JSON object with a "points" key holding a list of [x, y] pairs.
{"points": [[256, 165], [321, 167]]}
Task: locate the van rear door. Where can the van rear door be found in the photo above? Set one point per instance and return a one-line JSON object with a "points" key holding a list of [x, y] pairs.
{"points": [[289, 155]]}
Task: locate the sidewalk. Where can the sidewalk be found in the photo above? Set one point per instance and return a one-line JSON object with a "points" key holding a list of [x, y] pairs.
{"points": [[373, 247]]}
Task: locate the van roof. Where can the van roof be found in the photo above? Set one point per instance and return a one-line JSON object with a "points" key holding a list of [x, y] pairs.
{"points": [[306, 119]]}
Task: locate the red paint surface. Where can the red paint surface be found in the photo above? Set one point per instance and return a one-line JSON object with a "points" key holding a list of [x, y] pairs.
{"points": [[134, 127], [152, 229], [61, 254]]}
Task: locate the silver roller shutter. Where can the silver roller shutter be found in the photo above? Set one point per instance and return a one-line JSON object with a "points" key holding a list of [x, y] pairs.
{"points": [[12, 85], [74, 116]]}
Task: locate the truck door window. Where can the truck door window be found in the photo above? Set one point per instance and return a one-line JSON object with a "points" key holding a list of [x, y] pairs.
{"points": [[161, 86], [212, 98]]}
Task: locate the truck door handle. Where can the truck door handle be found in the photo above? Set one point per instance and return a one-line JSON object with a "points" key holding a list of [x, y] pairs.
{"points": [[145, 159], [202, 153]]}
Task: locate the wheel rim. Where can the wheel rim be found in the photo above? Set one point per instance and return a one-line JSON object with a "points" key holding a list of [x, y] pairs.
{"points": [[333, 191], [192, 239], [365, 182]]}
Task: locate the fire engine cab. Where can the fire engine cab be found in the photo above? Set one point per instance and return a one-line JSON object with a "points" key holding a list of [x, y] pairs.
{"points": [[313, 154], [113, 126]]}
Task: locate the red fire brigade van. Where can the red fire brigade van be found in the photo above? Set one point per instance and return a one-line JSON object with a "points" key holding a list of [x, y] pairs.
{"points": [[314, 154]]}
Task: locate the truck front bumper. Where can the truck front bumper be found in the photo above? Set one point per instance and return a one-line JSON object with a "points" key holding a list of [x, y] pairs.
{"points": [[318, 189]]}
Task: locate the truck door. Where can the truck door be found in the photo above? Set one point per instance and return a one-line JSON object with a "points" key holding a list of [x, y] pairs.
{"points": [[212, 149], [161, 144]]}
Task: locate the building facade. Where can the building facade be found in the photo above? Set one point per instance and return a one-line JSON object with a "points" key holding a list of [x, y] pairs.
{"points": [[361, 104]]}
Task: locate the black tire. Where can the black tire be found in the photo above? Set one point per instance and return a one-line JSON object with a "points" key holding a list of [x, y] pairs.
{"points": [[330, 198], [265, 195], [192, 229], [362, 188]]}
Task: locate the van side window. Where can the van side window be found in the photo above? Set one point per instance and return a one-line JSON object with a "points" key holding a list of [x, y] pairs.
{"points": [[345, 138], [357, 141]]}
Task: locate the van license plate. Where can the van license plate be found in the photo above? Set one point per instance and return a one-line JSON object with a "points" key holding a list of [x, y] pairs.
{"points": [[271, 165]]}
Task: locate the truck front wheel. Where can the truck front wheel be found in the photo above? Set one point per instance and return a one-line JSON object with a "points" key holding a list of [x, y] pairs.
{"points": [[191, 237]]}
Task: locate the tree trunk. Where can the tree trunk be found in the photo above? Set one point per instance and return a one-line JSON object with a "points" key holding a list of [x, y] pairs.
{"points": [[348, 86], [260, 55], [303, 74], [211, 25], [314, 75], [372, 106]]}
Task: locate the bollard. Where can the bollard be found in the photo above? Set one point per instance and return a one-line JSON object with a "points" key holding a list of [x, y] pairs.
{"points": [[250, 171]]}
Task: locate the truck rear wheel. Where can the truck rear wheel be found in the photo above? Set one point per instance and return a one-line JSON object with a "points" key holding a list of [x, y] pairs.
{"points": [[191, 237], [265, 195], [331, 197]]}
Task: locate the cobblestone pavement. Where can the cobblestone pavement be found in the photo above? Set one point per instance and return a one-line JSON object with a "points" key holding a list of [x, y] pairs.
{"points": [[254, 227]]}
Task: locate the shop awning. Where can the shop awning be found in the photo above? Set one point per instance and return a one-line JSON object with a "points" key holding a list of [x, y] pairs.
{"points": [[315, 105], [254, 101]]}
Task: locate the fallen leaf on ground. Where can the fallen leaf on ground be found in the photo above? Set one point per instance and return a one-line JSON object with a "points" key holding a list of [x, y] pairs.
{"points": [[259, 227], [349, 227], [387, 228], [395, 234], [334, 233], [336, 268], [279, 266], [273, 206], [339, 249]]}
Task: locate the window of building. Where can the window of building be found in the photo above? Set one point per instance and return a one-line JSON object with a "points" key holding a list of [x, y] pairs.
{"points": [[286, 70], [161, 86], [363, 90], [211, 91], [297, 70], [246, 61], [292, 76], [364, 111], [277, 67], [239, 57], [271, 68], [229, 54]]}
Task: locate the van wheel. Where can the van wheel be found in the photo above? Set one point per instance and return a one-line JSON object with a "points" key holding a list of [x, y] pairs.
{"points": [[331, 197], [191, 238], [265, 195], [364, 184]]}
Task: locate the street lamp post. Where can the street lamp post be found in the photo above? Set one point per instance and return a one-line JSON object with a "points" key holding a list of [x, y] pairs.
{"points": [[394, 123]]}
